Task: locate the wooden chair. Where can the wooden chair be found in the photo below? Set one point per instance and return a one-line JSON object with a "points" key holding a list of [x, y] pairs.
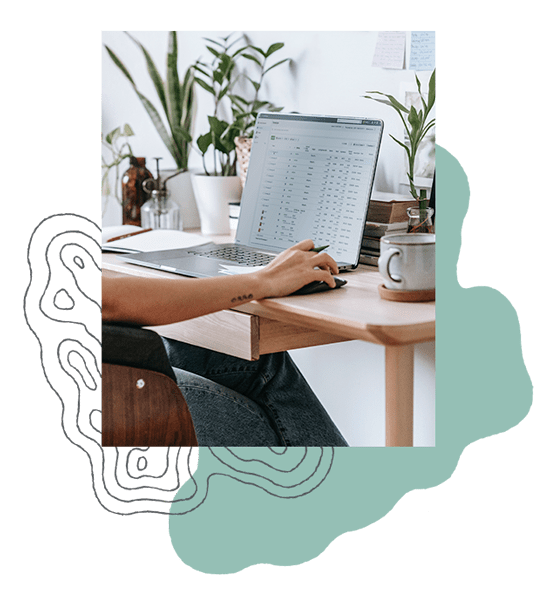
{"points": [[142, 405]]}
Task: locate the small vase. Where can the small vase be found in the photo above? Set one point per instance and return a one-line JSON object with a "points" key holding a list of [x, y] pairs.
{"points": [[420, 220], [133, 195], [161, 213]]}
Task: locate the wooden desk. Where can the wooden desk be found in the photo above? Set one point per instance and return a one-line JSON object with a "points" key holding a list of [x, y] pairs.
{"points": [[354, 312]]}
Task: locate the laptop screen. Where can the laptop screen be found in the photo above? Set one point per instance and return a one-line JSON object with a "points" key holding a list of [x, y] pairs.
{"points": [[309, 177]]}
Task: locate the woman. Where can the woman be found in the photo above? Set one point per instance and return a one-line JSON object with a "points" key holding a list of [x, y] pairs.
{"points": [[233, 402]]}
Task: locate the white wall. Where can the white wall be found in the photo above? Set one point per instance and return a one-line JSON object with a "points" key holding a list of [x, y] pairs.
{"points": [[329, 73]]}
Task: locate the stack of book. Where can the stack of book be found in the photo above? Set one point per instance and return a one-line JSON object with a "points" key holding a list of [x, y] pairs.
{"points": [[387, 214]]}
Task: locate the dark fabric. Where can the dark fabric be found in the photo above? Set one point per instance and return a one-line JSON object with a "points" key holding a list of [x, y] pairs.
{"points": [[134, 347]]}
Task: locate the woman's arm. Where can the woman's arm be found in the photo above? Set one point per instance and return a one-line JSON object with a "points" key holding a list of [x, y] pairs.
{"points": [[148, 301]]}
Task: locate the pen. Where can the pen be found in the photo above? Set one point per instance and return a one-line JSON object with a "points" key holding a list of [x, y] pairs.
{"points": [[319, 249], [128, 235]]}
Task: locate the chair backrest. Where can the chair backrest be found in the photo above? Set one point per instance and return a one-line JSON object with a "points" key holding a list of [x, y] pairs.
{"points": [[142, 405], [134, 347]]}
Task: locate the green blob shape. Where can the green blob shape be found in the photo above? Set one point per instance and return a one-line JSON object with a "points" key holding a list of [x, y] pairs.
{"points": [[482, 388]]}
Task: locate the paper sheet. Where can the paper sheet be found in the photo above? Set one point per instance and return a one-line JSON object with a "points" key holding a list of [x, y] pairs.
{"points": [[390, 50], [422, 51], [239, 270], [152, 241]]}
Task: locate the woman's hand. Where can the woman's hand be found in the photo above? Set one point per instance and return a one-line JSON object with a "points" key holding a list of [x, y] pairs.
{"points": [[295, 267]]}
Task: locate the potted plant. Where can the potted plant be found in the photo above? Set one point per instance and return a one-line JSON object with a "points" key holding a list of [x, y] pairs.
{"points": [[174, 114], [232, 117], [118, 148], [417, 125]]}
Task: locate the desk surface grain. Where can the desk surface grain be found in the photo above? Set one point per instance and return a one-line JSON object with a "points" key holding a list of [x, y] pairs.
{"points": [[354, 311]]}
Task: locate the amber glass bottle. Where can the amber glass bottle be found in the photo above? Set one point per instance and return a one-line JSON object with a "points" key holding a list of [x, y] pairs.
{"points": [[133, 194]]}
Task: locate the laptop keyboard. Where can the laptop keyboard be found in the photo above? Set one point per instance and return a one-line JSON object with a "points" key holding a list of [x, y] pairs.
{"points": [[236, 254]]}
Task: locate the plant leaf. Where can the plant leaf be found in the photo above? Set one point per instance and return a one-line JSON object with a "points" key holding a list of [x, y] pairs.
{"points": [[172, 82], [204, 141], [216, 53], [274, 48], [431, 92], [161, 129], [258, 49], [252, 58], [402, 144], [213, 41], [153, 73], [120, 65], [393, 101], [205, 86], [275, 65]]}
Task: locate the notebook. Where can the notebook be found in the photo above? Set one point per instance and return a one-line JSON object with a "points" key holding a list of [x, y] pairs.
{"points": [[309, 177]]}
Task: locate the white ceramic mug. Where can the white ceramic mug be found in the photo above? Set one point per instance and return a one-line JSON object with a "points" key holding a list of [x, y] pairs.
{"points": [[407, 261]]}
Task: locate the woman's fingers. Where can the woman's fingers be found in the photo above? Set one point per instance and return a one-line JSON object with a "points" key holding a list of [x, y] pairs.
{"points": [[323, 260], [306, 245], [324, 275]]}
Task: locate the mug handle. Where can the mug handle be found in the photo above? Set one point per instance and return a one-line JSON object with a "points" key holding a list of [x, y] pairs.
{"points": [[384, 263]]}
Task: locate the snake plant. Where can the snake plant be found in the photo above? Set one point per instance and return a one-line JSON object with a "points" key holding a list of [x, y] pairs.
{"points": [[176, 100]]}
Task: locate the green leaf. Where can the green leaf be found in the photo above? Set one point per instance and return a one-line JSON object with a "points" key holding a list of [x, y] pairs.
{"points": [[153, 73], [160, 128], [224, 91], [127, 130], [217, 126], [274, 48], [204, 141], [255, 84], [258, 105], [431, 92], [205, 86], [214, 42], [120, 65], [112, 136], [402, 145], [275, 65], [392, 100], [238, 52], [216, 53], [419, 86], [172, 82], [199, 69], [183, 133], [252, 58], [258, 49], [240, 99]]}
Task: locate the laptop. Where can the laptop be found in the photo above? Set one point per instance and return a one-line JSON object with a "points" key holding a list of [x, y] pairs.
{"points": [[309, 177]]}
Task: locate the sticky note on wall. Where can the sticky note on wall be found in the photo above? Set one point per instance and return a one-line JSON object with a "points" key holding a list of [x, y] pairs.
{"points": [[390, 50], [422, 51]]}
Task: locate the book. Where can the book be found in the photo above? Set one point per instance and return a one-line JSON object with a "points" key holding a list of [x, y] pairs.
{"points": [[379, 229], [389, 207], [150, 241], [371, 243], [368, 258]]}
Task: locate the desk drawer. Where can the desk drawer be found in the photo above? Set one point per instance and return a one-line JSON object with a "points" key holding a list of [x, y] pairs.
{"points": [[244, 336]]}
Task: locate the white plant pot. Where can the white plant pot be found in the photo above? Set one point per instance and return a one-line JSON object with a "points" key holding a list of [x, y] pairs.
{"points": [[213, 195], [180, 190]]}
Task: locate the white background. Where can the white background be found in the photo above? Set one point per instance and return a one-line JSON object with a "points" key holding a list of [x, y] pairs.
{"points": [[329, 74]]}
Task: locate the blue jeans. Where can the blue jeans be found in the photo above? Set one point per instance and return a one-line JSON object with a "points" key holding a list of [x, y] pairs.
{"points": [[238, 403]]}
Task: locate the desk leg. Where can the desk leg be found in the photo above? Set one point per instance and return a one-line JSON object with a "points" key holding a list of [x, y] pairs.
{"points": [[399, 395]]}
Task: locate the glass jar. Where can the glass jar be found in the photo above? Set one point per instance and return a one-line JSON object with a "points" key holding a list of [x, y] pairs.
{"points": [[420, 220], [160, 212]]}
